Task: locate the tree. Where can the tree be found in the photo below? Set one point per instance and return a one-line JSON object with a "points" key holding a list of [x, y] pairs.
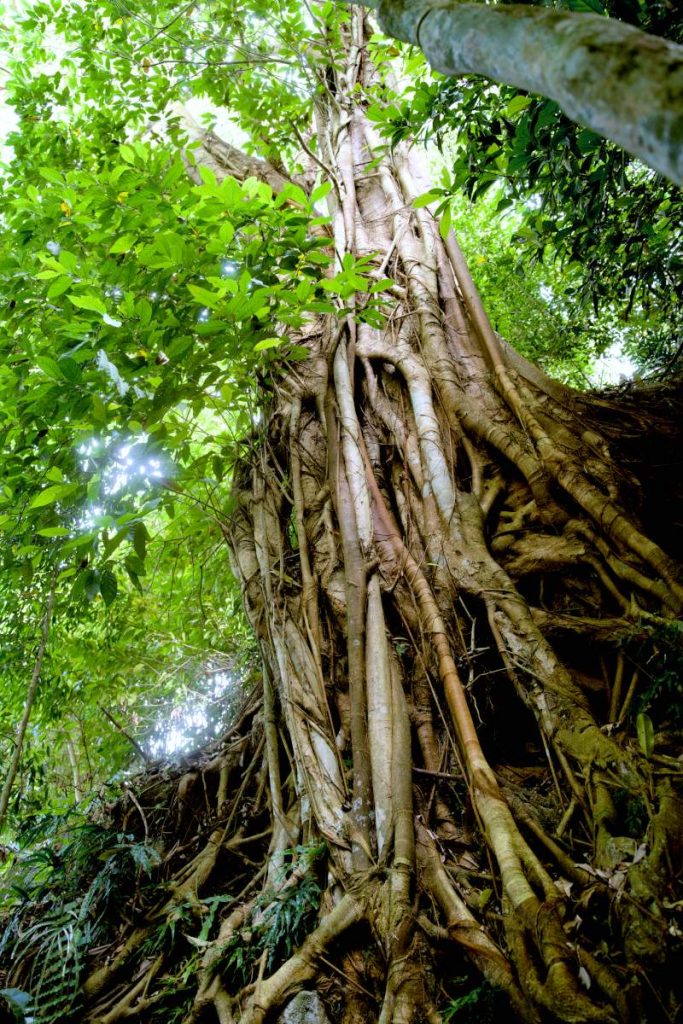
{"points": [[433, 540]]}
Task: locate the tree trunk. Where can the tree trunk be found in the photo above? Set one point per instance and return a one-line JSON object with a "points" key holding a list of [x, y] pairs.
{"points": [[437, 487], [440, 560]]}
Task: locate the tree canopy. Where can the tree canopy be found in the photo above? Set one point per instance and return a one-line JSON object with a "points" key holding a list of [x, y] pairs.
{"points": [[216, 240]]}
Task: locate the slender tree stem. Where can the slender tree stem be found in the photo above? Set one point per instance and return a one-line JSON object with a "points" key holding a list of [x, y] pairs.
{"points": [[133, 742], [28, 704]]}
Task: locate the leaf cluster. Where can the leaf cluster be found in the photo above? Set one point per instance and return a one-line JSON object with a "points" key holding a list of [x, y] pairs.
{"points": [[480, 1004], [659, 658], [65, 878], [278, 924]]}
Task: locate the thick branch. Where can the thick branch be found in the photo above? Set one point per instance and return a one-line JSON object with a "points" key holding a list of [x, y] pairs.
{"points": [[302, 966], [611, 77]]}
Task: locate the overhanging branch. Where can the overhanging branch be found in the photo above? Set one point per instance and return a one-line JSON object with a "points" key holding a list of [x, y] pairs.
{"points": [[609, 76]]}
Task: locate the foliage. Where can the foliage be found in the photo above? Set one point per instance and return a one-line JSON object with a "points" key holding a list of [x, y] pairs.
{"points": [[61, 887], [155, 310], [279, 922], [167, 648], [145, 312], [140, 303], [609, 223], [481, 1004], [659, 659], [527, 305]]}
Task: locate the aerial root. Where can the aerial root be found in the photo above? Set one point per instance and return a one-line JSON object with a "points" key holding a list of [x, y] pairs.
{"points": [[103, 977], [303, 965], [407, 993], [546, 962], [553, 984], [615, 990], [463, 928]]}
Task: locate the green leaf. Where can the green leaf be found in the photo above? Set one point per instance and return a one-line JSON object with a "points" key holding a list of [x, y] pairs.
{"points": [[376, 113], [68, 260], [207, 176], [203, 295], [143, 310], [172, 247], [58, 287], [383, 285], [90, 302], [142, 151], [588, 6], [70, 369], [135, 564], [91, 584], [123, 244], [52, 494], [298, 352], [127, 152], [139, 534], [445, 223], [425, 199], [646, 734], [114, 542], [292, 193], [134, 578], [267, 343], [99, 409], [321, 191], [49, 366], [108, 586], [79, 542], [516, 104], [50, 174], [226, 233], [53, 531]]}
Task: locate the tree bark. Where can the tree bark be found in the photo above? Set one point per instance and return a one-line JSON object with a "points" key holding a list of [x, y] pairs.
{"points": [[609, 76], [439, 458]]}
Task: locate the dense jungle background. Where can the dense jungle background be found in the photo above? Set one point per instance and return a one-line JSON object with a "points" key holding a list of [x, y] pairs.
{"points": [[340, 508]]}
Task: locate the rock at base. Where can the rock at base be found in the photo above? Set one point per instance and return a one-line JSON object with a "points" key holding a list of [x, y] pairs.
{"points": [[304, 1008]]}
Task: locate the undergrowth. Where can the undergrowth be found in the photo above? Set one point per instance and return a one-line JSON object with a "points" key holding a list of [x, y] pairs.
{"points": [[61, 899], [279, 922], [479, 1004], [58, 900], [659, 658]]}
